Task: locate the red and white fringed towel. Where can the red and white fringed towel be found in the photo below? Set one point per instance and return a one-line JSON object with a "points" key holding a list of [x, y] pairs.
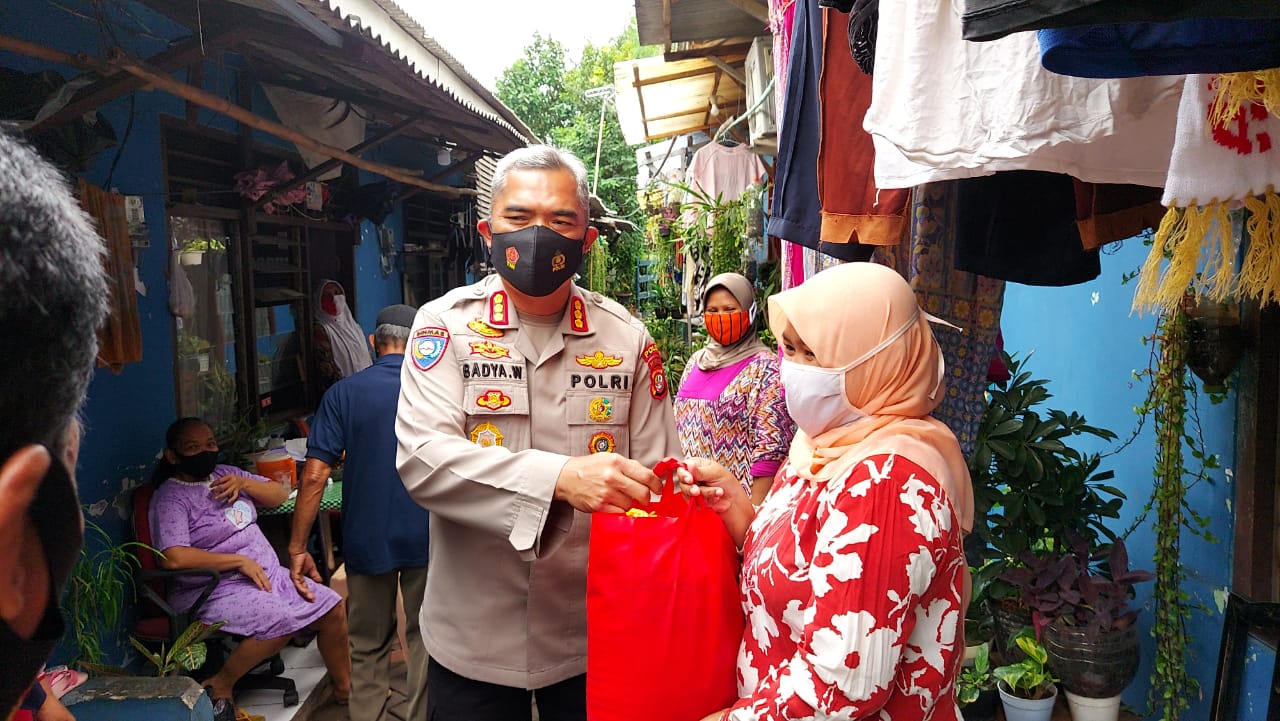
{"points": [[1217, 167]]}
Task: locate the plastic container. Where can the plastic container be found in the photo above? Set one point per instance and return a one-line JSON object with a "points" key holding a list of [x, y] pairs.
{"points": [[279, 466]]}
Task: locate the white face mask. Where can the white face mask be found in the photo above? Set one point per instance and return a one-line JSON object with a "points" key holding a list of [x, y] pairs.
{"points": [[816, 397]]}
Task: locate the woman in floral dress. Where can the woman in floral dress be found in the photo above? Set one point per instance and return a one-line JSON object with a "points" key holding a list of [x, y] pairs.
{"points": [[854, 581], [204, 515], [729, 406]]}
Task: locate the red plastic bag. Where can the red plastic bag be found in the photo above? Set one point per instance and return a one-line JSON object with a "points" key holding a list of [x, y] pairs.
{"points": [[664, 619]]}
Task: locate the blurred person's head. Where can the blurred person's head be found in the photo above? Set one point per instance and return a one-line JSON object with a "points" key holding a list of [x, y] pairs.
{"points": [[190, 452], [391, 329], [55, 297]]}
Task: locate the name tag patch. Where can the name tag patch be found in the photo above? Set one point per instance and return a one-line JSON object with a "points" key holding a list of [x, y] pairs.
{"points": [[603, 381]]}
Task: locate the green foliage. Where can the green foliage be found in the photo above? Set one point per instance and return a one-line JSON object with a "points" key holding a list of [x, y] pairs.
{"points": [[202, 244], [240, 437], [1028, 678], [714, 230], [976, 678], [1032, 490], [669, 334], [96, 589], [188, 652]]}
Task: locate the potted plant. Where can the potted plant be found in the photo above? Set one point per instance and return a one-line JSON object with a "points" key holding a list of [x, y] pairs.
{"points": [[192, 346], [187, 654], [95, 596], [976, 687], [193, 250], [1027, 689], [1032, 490]]}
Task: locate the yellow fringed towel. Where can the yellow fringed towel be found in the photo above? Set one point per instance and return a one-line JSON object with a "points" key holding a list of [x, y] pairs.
{"points": [[1219, 166]]}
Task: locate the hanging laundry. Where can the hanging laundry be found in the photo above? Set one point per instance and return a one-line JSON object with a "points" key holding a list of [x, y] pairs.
{"points": [[994, 19], [1217, 167], [1106, 213], [120, 337], [1202, 45], [864, 17], [724, 172], [854, 210], [781, 17], [943, 108]]}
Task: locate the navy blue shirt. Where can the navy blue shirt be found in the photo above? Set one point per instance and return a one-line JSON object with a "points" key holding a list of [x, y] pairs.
{"points": [[382, 527]]}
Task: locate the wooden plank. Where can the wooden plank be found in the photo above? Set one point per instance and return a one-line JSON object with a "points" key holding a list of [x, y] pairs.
{"points": [[666, 26], [635, 70], [1258, 420], [728, 69], [754, 8], [691, 73]]}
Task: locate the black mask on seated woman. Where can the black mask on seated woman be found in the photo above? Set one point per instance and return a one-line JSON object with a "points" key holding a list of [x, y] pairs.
{"points": [[197, 465]]}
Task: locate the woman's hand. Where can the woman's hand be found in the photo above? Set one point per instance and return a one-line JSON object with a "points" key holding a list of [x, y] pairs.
{"points": [[227, 488], [254, 572], [710, 480]]}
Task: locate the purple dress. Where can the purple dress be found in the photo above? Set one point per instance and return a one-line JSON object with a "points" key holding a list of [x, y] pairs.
{"points": [[186, 514]]}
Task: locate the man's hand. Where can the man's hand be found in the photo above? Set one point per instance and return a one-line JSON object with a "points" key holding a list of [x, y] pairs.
{"points": [[254, 573], [301, 567], [605, 483]]}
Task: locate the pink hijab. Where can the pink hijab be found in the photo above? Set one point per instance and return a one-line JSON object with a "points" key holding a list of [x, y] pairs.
{"points": [[841, 314]]}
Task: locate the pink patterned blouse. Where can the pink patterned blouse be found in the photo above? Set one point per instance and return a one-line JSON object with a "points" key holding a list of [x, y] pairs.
{"points": [[852, 591]]}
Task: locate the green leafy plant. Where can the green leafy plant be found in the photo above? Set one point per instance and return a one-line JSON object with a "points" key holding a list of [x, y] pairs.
{"points": [[976, 678], [101, 579], [187, 653], [714, 230], [190, 344], [238, 438], [197, 245], [1027, 678]]}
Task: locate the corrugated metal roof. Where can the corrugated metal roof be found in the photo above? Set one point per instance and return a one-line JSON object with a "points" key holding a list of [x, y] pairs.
{"points": [[401, 36], [657, 99], [690, 20]]}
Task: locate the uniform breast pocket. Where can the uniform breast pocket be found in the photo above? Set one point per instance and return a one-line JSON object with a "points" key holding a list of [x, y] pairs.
{"points": [[495, 398], [598, 422]]}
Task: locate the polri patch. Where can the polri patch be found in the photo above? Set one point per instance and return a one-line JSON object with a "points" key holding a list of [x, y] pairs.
{"points": [[428, 345], [602, 442], [493, 400], [652, 356], [600, 409], [484, 329], [486, 435], [658, 383], [489, 349]]}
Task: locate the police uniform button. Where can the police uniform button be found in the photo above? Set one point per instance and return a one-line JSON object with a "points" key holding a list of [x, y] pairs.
{"points": [[597, 298], [477, 291]]}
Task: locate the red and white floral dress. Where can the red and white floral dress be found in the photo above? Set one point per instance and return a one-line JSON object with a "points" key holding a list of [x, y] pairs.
{"points": [[852, 591]]}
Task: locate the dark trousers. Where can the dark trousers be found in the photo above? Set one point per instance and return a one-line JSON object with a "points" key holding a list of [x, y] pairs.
{"points": [[451, 697]]}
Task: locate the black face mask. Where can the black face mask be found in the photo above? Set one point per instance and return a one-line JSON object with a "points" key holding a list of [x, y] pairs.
{"points": [[55, 511], [197, 465], [535, 260]]}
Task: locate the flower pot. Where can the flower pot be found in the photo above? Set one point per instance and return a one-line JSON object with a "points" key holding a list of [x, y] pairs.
{"points": [[984, 708], [1008, 621], [1096, 668], [1017, 708], [1084, 708], [191, 257]]}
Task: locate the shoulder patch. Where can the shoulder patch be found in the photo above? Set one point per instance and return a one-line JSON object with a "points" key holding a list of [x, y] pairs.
{"points": [[484, 329], [578, 316], [652, 356], [427, 346], [658, 383], [499, 308]]}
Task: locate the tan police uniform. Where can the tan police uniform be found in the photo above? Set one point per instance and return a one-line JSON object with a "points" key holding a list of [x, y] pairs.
{"points": [[484, 426]]}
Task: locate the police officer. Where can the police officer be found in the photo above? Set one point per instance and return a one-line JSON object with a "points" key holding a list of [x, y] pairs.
{"points": [[524, 400]]}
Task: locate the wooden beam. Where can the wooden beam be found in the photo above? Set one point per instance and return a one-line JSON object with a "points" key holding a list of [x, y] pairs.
{"points": [[728, 69], [190, 52], [635, 70], [666, 26], [691, 73], [241, 115], [754, 8], [332, 163]]}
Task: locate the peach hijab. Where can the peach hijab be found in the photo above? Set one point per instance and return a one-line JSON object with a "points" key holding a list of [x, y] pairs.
{"points": [[841, 314]]}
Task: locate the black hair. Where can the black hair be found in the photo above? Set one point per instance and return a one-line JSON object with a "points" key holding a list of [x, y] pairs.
{"points": [[55, 296], [164, 470]]}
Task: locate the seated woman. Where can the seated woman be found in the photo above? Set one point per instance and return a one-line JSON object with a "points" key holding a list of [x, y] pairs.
{"points": [[853, 571], [204, 515]]}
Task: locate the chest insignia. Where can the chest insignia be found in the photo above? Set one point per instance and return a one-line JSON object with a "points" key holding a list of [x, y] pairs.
{"points": [[599, 360], [486, 435], [578, 316], [493, 400], [600, 410], [499, 308], [489, 349], [602, 442], [485, 329], [427, 346]]}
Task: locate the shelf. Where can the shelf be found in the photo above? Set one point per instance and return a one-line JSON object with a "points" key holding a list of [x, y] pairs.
{"points": [[278, 240], [276, 267], [276, 296]]}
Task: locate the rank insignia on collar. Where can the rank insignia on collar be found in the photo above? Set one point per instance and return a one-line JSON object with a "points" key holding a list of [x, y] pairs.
{"points": [[578, 315], [485, 329], [427, 346], [498, 308], [489, 349], [486, 435], [557, 262], [602, 442], [493, 400], [513, 257], [600, 409], [599, 360]]}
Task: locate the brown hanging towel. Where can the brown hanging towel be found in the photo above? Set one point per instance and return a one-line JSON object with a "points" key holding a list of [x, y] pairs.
{"points": [[120, 337]]}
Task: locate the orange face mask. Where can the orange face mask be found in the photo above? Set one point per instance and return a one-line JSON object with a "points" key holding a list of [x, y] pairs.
{"points": [[728, 327]]}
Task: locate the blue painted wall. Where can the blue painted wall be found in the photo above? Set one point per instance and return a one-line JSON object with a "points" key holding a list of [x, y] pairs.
{"points": [[1088, 344]]}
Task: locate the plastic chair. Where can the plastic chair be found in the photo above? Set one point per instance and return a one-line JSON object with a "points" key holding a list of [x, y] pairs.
{"points": [[1243, 618], [159, 623]]}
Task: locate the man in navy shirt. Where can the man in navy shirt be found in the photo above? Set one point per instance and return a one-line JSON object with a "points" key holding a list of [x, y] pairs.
{"points": [[384, 531]]}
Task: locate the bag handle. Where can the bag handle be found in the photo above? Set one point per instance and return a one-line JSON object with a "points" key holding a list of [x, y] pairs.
{"points": [[672, 502]]}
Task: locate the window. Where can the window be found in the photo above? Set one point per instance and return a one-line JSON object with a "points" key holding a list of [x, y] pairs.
{"points": [[201, 293]]}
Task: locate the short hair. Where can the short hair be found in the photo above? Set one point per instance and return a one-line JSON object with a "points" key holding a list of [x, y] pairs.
{"points": [[543, 157], [389, 334], [54, 297]]}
